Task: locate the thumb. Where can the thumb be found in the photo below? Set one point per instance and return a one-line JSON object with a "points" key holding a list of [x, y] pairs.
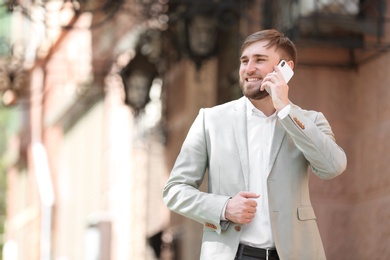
{"points": [[249, 194]]}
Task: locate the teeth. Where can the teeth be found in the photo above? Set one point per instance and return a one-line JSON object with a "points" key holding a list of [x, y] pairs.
{"points": [[252, 79]]}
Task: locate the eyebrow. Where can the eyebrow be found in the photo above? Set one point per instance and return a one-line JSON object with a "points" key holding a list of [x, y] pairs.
{"points": [[256, 56]]}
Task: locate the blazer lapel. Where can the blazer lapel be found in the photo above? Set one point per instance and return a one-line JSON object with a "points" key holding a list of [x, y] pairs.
{"points": [[279, 134], [240, 132]]}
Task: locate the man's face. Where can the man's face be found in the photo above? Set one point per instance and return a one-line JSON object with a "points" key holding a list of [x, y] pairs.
{"points": [[256, 62]]}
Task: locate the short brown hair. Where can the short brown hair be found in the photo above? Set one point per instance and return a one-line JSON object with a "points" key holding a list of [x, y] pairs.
{"points": [[275, 38]]}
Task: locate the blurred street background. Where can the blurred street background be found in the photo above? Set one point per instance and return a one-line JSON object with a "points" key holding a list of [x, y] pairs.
{"points": [[97, 97]]}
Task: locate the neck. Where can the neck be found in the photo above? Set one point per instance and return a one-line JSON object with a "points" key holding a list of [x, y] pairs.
{"points": [[265, 105]]}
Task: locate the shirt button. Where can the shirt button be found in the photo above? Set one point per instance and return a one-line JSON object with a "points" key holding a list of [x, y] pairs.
{"points": [[237, 228]]}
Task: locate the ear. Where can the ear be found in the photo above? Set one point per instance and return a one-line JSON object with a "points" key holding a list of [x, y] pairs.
{"points": [[291, 64]]}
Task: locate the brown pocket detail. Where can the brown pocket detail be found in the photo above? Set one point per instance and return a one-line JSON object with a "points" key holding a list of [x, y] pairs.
{"points": [[212, 226]]}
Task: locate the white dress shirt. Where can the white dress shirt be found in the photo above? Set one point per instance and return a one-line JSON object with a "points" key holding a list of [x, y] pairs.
{"points": [[260, 130], [260, 133]]}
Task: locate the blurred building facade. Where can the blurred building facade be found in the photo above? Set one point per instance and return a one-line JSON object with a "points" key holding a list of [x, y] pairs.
{"points": [[107, 91]]}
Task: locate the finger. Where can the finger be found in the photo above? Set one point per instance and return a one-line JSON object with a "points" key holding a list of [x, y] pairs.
{"points": [[262, 87], [278, 72], [251, 203], [270, 76], [252, 210], [266, 85], [249, 194], [249, 217]]}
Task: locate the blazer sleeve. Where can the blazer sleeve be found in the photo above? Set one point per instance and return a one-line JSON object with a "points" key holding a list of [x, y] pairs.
{"points": [[181, 193], [312, 134]]}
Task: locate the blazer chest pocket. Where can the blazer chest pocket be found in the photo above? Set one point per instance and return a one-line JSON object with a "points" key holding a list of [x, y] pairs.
{"points": [[306, 213]]}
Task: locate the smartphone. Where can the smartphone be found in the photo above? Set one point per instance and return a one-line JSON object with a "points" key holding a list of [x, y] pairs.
{"points": [[286, 70], [287, 73]]}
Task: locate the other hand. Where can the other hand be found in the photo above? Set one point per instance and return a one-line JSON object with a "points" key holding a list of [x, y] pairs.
{"points": [[241, 208]]}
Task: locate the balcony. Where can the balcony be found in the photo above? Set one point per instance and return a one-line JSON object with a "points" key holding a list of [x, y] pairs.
{"points": [[355, 28]]}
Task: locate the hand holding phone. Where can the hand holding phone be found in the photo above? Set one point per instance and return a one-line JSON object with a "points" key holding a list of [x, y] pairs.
{"points": [[286, 71]]}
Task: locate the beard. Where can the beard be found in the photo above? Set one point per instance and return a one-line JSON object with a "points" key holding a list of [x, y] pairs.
{"points": [[252, 91]]}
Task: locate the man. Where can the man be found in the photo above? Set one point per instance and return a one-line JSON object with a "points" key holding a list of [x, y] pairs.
{"points": [[257, 151]]}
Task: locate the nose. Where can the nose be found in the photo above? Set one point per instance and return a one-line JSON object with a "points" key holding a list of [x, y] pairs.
{"points": [[251, 67]]}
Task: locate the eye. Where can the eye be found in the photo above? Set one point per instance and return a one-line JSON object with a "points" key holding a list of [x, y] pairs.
{"points": [[244, 62]]}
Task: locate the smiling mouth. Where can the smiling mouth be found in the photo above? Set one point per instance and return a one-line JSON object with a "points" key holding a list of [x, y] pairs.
{"points": [[252, 79]]}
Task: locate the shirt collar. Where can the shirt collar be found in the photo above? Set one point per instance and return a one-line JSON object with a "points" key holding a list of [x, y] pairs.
{"points": [[252, 110]]}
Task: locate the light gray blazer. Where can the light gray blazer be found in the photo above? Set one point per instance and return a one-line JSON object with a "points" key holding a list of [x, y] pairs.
{"points": [[217, 141]]}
